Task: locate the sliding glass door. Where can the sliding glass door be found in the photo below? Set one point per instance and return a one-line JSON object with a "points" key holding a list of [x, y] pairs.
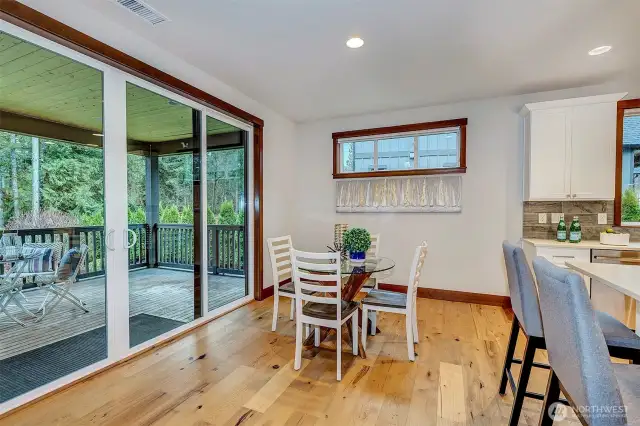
{"points": [[226, 213], [163, 156], [52, 217], [124, 215]]}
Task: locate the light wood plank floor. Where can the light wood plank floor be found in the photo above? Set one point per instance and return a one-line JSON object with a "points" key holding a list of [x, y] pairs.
{"points": [[155, 291], [235, 371]]}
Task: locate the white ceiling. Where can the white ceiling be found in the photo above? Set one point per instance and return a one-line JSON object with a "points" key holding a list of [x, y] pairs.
{"points": [[291, 56]]}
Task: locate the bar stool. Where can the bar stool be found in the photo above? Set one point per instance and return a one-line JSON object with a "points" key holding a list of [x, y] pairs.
{"points": [[621, 341], [577, 348]]}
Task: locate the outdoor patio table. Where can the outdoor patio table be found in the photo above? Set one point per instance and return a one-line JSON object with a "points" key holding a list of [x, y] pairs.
{"points": [[357, 274]]}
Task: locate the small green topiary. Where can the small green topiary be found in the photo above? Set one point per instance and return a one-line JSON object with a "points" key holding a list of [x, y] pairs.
{"points": [[357, 240]]}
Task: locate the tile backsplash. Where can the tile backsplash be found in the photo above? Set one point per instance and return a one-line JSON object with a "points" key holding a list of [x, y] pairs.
{"points": [[587, 211]]}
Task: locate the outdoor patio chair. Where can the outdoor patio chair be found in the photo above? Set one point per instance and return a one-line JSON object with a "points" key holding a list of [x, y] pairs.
{"points": [[41, 276], [66, 275], [10, 286]]}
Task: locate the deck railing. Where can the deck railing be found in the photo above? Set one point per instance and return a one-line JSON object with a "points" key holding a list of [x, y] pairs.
{"points": [[174, 246], [225, 244]]}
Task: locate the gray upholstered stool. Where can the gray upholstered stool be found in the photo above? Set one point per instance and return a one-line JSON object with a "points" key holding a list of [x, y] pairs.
{"points": [[601, 393], [621, 341]]}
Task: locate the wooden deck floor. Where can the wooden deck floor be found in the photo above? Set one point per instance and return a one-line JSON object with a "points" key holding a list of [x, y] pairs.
{"points": [[160, 292], [235, 371]]}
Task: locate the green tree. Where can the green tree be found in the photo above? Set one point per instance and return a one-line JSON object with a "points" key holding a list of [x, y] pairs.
{"points": [[227, 214], [186, 215], [240, 219], [170, 214], [211, 217], [137, 216], [630, 206]]}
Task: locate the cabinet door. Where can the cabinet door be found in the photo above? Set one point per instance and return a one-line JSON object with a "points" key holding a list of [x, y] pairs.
{"points": [[593, 147], [549, 154]]}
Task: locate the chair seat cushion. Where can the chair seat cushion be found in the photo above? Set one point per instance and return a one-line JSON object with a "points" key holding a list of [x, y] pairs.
{"points": [[68, 264], [388, 299], [41, 259], [616, 334], [326, 311], [628, 377], [290, 288]]}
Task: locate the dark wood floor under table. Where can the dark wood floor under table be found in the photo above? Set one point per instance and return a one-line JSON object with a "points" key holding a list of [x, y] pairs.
{"points": [[155, 291], [235, 371]]}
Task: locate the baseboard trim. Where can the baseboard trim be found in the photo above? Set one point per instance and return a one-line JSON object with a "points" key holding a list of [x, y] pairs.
{"points": [[452, 296], [267, 293]]}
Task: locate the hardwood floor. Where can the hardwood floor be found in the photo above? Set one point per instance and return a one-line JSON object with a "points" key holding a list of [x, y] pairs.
{"points": [[235, 371]]}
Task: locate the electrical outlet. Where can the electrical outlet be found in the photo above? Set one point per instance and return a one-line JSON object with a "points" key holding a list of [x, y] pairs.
{"points": [[542, 218], [602, 218], [555, 217]]}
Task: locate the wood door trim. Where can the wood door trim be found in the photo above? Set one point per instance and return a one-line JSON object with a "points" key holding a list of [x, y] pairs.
{"points": [[617, 202]]}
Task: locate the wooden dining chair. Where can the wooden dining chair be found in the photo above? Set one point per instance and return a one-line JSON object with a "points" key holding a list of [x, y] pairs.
{"points": [[320, 273], [399, 303], [280, 256]]}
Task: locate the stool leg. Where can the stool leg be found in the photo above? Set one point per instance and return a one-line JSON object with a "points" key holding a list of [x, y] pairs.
{"points": [[552, 395], [508, 359], [523, 380]]}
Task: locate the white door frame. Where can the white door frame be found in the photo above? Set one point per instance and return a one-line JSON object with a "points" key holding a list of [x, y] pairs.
{"points": [[114, 154]]}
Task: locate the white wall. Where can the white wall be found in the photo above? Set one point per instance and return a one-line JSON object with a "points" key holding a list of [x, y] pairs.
{"points": [[464, 248], [278, 130]]}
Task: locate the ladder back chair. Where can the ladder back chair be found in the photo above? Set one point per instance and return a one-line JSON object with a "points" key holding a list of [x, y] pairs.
{"points": [[321, 273], [280, 256], [399, 303]]}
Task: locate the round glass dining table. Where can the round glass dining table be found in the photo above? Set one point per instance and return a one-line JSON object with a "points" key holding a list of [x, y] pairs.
{"points": [[370, 266], [356, 275]]}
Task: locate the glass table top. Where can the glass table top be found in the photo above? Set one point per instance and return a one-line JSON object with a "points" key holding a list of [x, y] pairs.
{"points": [[371, 265]]}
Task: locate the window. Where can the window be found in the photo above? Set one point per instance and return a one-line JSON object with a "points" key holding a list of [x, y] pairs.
{"points": [[627, 205], [414, 149]]}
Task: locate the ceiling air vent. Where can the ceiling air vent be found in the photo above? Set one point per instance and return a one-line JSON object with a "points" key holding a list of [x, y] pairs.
{"points": [[143, 10]]}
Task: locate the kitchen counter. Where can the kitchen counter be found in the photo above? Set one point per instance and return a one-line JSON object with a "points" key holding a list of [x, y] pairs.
{"points": [[582, 244]]}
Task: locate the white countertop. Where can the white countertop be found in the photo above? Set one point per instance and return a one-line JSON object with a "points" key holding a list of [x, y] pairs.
{"points": [[624, 278], [582, 244]]}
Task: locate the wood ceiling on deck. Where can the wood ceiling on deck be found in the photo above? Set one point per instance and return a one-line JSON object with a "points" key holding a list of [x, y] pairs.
{"points": [[44, 85]]}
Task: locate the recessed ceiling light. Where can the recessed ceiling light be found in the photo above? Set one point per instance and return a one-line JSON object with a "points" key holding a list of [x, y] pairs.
{"points": [[355, 42], [599, 50], [98, 134]]}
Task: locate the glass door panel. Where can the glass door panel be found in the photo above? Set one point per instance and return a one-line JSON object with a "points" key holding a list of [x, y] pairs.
{"points": [[52, 288], [163, 146], [226, 213]]}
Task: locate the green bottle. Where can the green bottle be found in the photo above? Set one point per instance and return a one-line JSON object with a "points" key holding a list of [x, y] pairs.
{"points": [[561, 235], [575, 231]]}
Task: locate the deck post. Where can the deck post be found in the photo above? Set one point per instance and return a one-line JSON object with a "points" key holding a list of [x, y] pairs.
{"points": [[152, 206]]}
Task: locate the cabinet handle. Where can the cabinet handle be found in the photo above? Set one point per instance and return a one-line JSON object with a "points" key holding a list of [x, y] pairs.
{"points": [[573, 195], [568, 195]]}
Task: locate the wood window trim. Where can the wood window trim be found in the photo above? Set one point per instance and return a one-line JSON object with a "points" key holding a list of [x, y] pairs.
{"points": [[38, 23], [617, 203], [380, 131]]}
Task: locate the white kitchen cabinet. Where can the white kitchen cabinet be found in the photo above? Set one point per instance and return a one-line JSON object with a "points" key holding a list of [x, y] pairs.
{"points": [[570, 149], [558, 254]]}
